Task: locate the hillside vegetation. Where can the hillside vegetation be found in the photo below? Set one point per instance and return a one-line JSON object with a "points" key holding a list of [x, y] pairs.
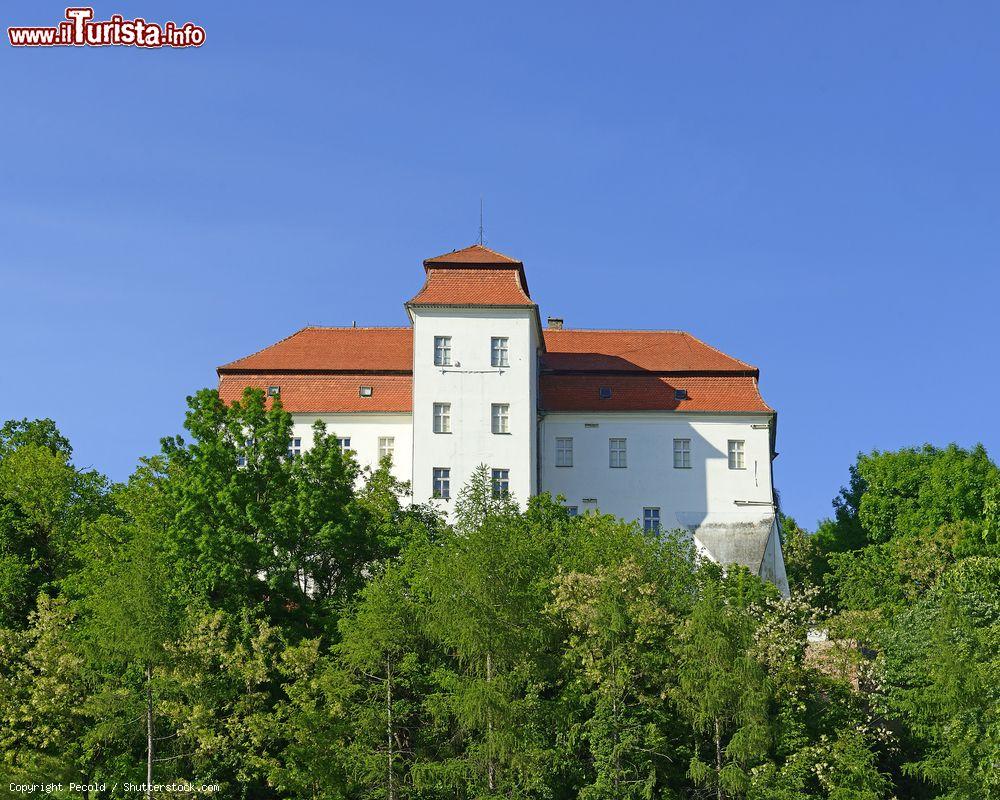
{"points": [[261, 627]]}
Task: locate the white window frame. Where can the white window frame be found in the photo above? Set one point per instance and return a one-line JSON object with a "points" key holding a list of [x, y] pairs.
{"points": [[441, 483], [564, 451], [682, 453], [500, 418], [500, 351], [386, 446], [618, 452], [501, 481], [344, 443], [737, 454], [442, 418], [294, 446], [442, 351], [651, 519]]}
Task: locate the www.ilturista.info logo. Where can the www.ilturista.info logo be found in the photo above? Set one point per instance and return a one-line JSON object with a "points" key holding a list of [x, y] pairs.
{"points": [[79, 29]]}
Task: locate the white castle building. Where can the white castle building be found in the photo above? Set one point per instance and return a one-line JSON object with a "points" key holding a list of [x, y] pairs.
{"points": [[655, 426]]}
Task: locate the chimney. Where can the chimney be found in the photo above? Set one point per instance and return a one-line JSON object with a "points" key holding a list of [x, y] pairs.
{"points": [[555, 323]]}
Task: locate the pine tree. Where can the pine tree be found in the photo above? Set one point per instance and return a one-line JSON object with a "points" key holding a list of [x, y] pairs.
{"points": [[724, 693]]}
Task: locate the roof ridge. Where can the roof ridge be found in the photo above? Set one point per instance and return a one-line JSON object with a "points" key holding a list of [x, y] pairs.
{"points": [[622, 330], [351, 328]]}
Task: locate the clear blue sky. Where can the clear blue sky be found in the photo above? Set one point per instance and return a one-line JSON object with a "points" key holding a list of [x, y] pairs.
{"points": [[814, 188]]}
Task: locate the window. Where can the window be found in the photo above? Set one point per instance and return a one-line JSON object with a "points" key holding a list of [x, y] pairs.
{"points": [[364, 391], [680, 394], [736, 454], [564, 451], [386, 446], [273, 391], [442, 482], [294, 447], [604, 392], [241, 459], [500, 415], [442, 351], [442, 418], [617, 448], [651, 520], [344, 444], [682, 454], [573, 510], [501, 482], [498, 352]]}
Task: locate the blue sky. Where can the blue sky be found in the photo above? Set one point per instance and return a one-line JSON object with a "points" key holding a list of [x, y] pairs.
{"points": [[814, 188]]}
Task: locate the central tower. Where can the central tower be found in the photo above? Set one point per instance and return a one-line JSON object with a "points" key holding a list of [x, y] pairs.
{"points": [[476, 339]]}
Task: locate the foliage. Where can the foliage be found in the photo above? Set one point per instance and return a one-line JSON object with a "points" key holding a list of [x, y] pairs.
{"points": [[287, 628]]}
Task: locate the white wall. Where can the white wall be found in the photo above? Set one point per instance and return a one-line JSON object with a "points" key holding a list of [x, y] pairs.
{"points": [[684, 496], [364, 428], [471, 389]]}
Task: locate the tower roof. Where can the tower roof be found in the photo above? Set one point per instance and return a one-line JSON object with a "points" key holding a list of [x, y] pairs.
{"points": [[471, 256], [473, 276]]}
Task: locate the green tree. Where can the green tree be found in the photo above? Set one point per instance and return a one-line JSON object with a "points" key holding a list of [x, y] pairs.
{"points": [[43, 502], [384, 653], [621, 621], [43, 692], [940, 675], [723, 692], [799, 553], [903, 492], [485, 587], [130, 612]]}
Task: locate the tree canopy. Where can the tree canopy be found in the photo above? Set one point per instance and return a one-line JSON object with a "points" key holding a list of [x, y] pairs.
{"points": [[286, 627]]}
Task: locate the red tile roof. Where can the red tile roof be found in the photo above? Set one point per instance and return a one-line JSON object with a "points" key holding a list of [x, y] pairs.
{"points": [[634, 351], [650, 393], [321, 369], [473, 287], [475, 254], [326, 393], [334, 350]]}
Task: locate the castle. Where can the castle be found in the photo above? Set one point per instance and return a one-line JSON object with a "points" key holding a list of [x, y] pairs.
{"points": [[655, 426]]}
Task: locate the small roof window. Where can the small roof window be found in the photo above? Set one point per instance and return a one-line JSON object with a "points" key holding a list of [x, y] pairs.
{"points": [[605, 392], [365, 391], [680, 394], [273, 391]]}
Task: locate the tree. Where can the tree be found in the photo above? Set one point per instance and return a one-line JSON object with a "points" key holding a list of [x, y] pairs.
{"points": [[621, 623], [798, 550], [43, 693], [254, 527], [939, 674], [385, 655], [909, 490], [723, 692], [15, 433], [130, 611], [43, 502]]}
